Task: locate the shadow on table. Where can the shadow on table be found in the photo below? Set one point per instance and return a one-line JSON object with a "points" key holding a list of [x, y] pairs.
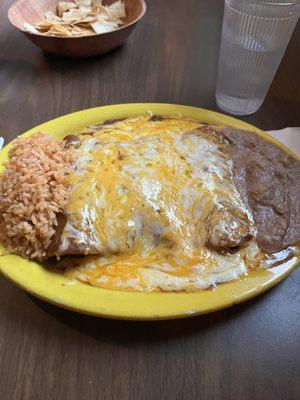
{"points": [[286, 108], [64, 65], [126, 332]]}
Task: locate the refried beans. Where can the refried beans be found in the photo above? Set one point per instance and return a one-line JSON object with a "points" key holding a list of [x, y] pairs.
{"points": [[268, 181]]}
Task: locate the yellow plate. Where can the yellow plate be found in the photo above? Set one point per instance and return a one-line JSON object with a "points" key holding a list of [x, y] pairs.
{"points": [[50, 286]]}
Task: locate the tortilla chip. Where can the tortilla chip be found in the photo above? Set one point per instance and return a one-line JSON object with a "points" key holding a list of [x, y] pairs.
{"points": [[96, 3], [102, 27], [118, 22], [29, 28], [117, 10], [102, 13], [45, 25], [83, 3], [64, 6], [74, 15], [87, 20], [81, 31], [80, 18], [50, 16], [60, 30]]}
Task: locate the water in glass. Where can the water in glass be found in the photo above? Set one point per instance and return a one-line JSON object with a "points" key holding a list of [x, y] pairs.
{"points": [[254, 38]]}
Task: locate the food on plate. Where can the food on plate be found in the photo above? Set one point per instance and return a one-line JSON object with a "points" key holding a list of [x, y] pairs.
{"points": [[151, 203], [34, 188], [80, 18]]}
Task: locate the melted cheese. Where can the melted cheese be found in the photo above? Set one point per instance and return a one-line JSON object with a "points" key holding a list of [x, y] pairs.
{"points": [[142, 195]]}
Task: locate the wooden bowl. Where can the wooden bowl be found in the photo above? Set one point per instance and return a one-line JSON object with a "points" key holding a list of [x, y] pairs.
{"points": [[32, 11]]}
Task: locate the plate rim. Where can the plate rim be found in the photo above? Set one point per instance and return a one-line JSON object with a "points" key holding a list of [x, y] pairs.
{"points": [[70, 302]]}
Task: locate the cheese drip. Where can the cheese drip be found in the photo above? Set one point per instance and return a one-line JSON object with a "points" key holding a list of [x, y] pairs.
{"points": [[154, 196]]}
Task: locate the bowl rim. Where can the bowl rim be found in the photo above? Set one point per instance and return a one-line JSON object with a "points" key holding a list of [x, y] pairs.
{"points": [[9, 14]]}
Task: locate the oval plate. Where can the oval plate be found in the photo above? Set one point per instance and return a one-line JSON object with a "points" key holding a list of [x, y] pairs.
{"points": [[53, 287]]}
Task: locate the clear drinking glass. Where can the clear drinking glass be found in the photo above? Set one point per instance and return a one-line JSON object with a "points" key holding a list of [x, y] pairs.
{"points": [[255, 36]]}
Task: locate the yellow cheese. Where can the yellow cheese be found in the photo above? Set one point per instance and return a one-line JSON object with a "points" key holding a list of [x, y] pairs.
{"points": [[142, 193]]}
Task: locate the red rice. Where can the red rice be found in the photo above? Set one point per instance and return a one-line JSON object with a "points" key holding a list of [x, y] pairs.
{"points": [[33, 188]]}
